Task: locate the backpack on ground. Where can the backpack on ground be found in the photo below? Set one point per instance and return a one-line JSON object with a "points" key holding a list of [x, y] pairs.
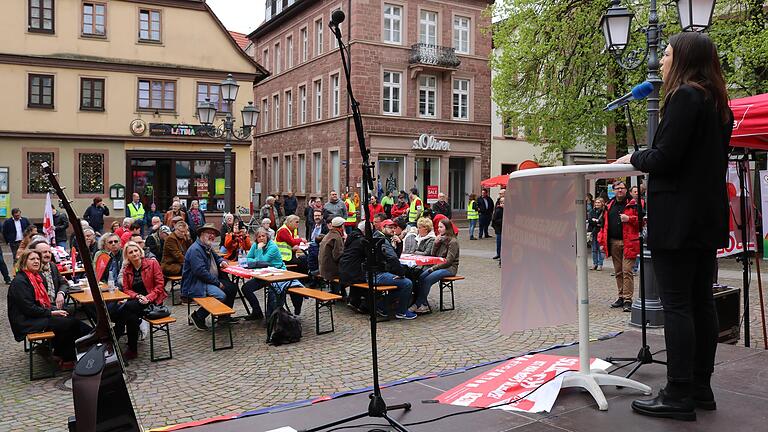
{"points": [[283, 327]]}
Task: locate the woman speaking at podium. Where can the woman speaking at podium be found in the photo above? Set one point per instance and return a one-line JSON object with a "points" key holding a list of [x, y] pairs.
{"points": [[687, 218]]}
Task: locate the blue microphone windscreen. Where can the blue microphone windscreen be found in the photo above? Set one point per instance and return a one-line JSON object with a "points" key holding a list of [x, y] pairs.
{"points": [[642, 90]]}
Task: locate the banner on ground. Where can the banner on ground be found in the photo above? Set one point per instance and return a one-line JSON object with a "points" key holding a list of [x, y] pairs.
{"points": [[764, 207], [510, 386], [735, 244]]}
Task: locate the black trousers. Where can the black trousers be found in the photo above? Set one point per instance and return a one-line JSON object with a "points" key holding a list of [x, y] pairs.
{"points": [[4, 267], [14, 248], [67, 330], [127, 319], [485, 222], [690, 320]]}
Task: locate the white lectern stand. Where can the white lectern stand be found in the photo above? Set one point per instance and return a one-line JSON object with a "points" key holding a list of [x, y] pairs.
{"points": [[572, 178]]}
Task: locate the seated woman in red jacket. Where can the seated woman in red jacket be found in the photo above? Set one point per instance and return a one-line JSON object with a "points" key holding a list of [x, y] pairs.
{"points": [[143, 281]]}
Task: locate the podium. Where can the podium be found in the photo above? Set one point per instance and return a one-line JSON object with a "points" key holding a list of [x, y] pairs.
{"points": [[541, 258]]}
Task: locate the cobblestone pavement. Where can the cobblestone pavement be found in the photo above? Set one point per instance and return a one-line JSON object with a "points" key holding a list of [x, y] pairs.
{"points": [[198, 383]]}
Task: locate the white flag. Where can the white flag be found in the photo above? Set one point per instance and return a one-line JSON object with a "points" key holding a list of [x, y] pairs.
{"points": [[48, 229]]}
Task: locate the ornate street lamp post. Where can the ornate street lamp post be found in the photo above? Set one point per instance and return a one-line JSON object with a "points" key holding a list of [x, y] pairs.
{"points": [[206, 113]]}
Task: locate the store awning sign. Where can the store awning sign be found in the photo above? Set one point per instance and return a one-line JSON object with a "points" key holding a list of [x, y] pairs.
{"points": [[165, 129], [429, 142]]}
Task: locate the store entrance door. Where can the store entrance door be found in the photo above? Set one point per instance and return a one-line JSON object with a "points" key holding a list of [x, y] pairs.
{"points": [[457, 179], [150, 178]]}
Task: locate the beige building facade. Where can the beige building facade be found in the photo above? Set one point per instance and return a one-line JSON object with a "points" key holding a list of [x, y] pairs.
{"points": [[107, 91]]}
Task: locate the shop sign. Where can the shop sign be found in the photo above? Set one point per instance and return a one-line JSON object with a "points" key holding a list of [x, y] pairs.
{"points": [[429, 142], [432, 192], [177, 129]]}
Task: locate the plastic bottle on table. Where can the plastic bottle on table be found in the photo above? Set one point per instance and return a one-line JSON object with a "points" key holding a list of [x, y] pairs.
{"points": [[111, 284], [241, 258]]}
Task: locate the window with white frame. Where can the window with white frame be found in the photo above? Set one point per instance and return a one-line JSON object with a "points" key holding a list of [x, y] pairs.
{"points": [[317, 168], [301, 176], [278, 63], [461, 99], [427, 96], [275, 173], [288, 108], [319, 36], [335, 95], [428, 27], [335, 165], [318, 100], [461, 34], [302, 104], [264, 176], [304, 44], [288, 173], [265, 119], [391, 92], [393, 17], [276, 108], [289, 52], [334, 42], [265, 58]]}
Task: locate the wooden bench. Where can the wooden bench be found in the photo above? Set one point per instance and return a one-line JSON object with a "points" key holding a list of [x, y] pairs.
{"points": [[175, 282], [384, 289], [217, 310], [155, 326], [322, 300], [36, 340], [446, 283]]}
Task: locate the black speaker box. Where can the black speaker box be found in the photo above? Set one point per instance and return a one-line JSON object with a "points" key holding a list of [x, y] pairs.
{"points": [[728, 307]]}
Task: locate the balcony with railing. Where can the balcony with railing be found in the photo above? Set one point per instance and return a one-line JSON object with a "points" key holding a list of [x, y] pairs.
{"points": [[434, 57]]}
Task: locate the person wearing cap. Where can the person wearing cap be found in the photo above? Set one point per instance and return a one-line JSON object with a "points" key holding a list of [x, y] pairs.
{"points": [[236, 241], [394, 274], [156, 241], [318, 225], [331, 249], [391, 231], [202, 275]]}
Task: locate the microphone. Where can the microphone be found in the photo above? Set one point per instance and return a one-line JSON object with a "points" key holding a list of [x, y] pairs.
{"points": [[640, 91], [337, 18]]}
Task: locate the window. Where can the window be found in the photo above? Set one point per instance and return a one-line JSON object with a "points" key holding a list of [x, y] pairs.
{"points": [[334, 42], [317, 168], [157, 95], [37, 181], [288, 108], [265, 58], [461, 34], [289, 52], [304, 44], [508, 168], [212, 92], [335, 166], [275, 173], [428, 28], [302, 104], [91, 173], [335, 95], [427, 95], [276, 107], [265, 111], [288, 173], [94, 19], [510, 131], [319, 37], [41, 16], [92, 94], [393, 16], [40, 91], [461, 99], [302, 173], [149, 25], [392, 92], [278, 64], [318, 100], [263, 174]]}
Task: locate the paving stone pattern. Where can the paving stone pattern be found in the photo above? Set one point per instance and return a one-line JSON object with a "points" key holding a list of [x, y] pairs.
{"points": [[198, 383]]}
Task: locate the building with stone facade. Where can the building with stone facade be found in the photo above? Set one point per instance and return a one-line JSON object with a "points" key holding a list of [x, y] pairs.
{"points": [[107, 92], [420, 73]]}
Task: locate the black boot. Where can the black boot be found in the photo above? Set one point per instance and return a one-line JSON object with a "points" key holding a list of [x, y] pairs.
{"points": [[702, 392], [673, 402]]}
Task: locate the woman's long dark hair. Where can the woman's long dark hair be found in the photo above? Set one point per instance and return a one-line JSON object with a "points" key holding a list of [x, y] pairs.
{"points": [[695, 62]]}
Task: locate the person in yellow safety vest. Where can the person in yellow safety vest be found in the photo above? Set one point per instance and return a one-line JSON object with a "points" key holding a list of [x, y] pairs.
{"points": [[351, 220], [289, 244], [416, 208], [472, 215], [135, 211]]}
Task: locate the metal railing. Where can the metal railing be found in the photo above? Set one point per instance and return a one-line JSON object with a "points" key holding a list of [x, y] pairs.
{"points": [[434, 55]]}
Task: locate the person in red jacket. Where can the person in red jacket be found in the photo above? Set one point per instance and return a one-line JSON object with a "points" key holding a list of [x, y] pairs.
{"points": [[236, 241], [143, 281], [619, 239], [400, 208], [374, 207]]}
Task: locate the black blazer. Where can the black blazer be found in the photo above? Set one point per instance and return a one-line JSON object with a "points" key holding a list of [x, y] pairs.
{"points": [[687, 164], [24, 313]]}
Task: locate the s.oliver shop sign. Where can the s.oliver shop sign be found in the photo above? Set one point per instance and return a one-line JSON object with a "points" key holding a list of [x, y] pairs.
{"points": [[429, 142]]}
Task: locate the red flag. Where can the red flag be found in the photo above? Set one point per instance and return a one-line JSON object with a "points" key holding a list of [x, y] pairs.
{"points": [[74, 259]]}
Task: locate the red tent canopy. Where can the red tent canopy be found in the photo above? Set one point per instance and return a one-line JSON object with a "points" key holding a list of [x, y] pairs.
{"points": [[750, 122]]}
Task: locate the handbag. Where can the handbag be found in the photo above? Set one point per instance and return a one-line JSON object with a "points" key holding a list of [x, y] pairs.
{"points": [[155, 311]]}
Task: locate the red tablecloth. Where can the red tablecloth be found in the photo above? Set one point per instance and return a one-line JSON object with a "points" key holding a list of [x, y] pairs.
{"points": [[420, 260]]}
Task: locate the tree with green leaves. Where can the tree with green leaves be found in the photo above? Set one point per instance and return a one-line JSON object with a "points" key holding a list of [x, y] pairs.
{"points": [[553, 75]]}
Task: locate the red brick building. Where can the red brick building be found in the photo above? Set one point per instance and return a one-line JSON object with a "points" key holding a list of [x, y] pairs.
{"points": [[420, 72]]}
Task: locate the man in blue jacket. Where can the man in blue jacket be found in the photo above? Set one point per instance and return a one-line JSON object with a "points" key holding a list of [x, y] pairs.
{"points": [[13, 230], [201, 275]]}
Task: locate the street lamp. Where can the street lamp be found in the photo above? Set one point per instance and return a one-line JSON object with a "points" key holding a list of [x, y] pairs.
{"points": [[206, 113], [616, 24]]}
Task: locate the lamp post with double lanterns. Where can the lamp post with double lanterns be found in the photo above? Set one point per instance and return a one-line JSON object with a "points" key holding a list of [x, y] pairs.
{"points": [[206, 113], [616, 24]]}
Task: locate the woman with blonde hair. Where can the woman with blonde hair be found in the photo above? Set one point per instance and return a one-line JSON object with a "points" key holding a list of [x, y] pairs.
{"points": [[425, 237]]}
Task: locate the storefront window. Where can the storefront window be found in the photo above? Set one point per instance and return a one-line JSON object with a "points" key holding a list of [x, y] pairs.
{"points": [[427, 172], [391, 174], [457, 180]]}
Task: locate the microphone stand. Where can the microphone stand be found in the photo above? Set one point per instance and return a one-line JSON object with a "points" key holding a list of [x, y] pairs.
{"points": [[644, 356], [377, 408]]}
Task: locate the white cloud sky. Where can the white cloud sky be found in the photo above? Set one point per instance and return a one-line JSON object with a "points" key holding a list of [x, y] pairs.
{"points": [[239, 15]]}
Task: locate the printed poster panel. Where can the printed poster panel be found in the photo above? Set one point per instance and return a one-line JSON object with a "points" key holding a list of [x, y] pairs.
{"points": [[735, 245], [220, 186], [538, 282], [5, 205], [432, 193], [182, 186]]}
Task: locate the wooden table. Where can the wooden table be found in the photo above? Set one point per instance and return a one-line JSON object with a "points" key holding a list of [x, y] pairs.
{"points": [[86, 297], [67, 273], [264, 275]]}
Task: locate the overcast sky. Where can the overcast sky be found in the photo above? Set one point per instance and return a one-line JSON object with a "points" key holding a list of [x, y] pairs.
{"points": [[239, 15]]}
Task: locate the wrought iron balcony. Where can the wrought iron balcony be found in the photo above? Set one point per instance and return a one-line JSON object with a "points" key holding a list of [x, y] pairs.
{"points": [[434, 55]]}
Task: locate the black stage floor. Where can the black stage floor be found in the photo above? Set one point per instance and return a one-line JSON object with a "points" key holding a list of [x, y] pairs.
{"points": [[740, 383]]}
